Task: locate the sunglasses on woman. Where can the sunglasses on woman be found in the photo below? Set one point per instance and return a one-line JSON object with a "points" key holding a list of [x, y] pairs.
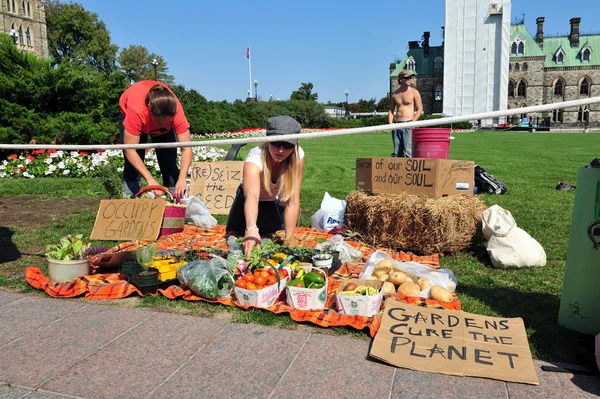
{"points": [[284, 144]]}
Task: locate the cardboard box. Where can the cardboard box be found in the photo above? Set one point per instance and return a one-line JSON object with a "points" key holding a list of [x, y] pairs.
{"points": [[264, 298], [359, 305], [432, 177]]}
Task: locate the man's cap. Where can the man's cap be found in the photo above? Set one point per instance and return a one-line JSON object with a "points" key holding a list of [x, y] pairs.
{"points": [[280, 125], [405, 73]]}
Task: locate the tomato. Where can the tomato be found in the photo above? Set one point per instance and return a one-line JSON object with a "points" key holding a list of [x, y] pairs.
{"points": [[299, 285], [260, 287], [271, 271], [264, 274], [271, 280], [284, 271], [256, 274], [260, 280], [241, 283], [248, 278], [251, 286]]}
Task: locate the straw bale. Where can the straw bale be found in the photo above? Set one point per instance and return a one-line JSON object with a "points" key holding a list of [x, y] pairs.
{"points": [[415, 223]]}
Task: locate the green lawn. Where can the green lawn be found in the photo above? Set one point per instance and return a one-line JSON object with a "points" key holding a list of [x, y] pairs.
{"points": [[531, 164]]}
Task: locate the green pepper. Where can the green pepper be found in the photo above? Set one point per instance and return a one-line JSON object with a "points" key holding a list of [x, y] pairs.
{"points": [[296, 281], [315, 285], [313, 277]]}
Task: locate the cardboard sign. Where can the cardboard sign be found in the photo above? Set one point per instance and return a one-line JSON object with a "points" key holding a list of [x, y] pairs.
{"points": [[432, 177], [454, 342], [129, 219], [215, 183]]}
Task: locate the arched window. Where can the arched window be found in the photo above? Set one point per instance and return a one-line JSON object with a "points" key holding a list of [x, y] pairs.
{"points": [[585, 55], [437, 93], [521, 48], [583, 114], [14, 7], [21, 35], [410, 65], [438, 63], [511, 88], [523, 116], [28, 35], [522, 88], [525, 66], [510, 67], [584, 86], [517, 67], [557, 115], [513, 48], [559, 87], [8, 5], [560, 58]]}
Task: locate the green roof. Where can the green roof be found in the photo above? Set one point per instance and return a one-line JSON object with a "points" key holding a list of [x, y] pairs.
{"points": [[531, 47], [424, 66], [572, 54]]}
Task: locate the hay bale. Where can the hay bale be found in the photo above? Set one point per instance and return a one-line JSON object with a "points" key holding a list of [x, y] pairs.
{"points": [[415, 223]]}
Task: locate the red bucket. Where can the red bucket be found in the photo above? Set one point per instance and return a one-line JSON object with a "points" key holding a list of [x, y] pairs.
{"points": [[431, 142]]}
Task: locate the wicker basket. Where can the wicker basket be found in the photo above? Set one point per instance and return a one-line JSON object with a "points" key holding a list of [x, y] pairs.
{"points": [[174, 216]]}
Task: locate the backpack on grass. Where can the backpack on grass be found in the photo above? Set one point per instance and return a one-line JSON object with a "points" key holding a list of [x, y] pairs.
{"points": [[487, 183]]}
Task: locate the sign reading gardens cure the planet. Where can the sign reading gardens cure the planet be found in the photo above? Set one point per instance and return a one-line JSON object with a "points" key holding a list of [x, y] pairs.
{"points": [[129, 219], [454, 342]]}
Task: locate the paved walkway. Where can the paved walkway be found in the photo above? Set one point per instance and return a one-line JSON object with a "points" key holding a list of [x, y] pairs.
{"points": [[51, 348]]}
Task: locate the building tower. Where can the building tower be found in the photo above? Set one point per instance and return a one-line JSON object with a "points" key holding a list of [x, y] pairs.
{"points": [[26, 19]]}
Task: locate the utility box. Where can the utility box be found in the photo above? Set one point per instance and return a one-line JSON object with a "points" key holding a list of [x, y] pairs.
{"points": [[580, 303], [432, 177]]}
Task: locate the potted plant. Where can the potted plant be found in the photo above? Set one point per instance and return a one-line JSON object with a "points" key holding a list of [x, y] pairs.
{"points": [[147, 275], [65, 260]]}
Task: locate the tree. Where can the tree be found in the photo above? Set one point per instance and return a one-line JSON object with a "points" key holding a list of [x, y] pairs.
{"points": [[384, 104], [75, 34], [136, 63], [304, 93]]}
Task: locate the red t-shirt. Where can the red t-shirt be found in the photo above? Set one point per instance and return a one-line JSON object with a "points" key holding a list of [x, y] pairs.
{"points": [[137, 114]]}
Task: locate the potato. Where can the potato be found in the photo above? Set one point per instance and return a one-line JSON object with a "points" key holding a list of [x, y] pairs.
{"points": [[441, 294], [383, 277], [408, 289], [411, 279], [397, 278], [380, 272], [388, 288], [385, 264], [372, 278], [423, 283]]}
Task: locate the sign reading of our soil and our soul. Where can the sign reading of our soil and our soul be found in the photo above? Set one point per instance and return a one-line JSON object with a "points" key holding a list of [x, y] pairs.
{"points": [[454, 342], [129, 219], [215, 183]]}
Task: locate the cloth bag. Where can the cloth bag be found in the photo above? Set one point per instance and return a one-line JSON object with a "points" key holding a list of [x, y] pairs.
{"points": [[508, 245]]}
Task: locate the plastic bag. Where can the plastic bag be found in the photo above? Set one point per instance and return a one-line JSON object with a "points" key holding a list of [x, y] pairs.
{"points": [[347, 252], [509, 245], [442, 277], [210, 279], [198, 213], [330, 215]]}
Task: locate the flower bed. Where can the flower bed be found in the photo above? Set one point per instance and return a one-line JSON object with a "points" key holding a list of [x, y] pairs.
{"points": [[53, 163]]}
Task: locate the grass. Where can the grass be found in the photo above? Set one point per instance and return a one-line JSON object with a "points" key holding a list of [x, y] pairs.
{"points": [[531, 164]]}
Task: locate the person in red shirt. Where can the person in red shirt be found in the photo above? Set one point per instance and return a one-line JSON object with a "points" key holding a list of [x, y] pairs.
{"points": [[150, 109]]}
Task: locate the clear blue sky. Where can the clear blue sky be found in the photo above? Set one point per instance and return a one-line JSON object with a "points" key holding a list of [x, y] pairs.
{"points": [[336, 45]]}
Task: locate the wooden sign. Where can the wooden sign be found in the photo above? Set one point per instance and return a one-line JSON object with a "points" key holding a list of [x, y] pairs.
{"points": [[129, 219], [454, 342], [215, 183]]}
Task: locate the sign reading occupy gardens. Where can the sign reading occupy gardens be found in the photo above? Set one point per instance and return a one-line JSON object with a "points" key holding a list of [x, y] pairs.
{"points": [[215, 183], [129, 219], [454, 342]]}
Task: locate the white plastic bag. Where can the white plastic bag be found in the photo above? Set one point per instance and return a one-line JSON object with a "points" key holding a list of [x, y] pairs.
{"points": [[347, 252], [330, 215], [509, 245], [198, 213], [442, 277]]}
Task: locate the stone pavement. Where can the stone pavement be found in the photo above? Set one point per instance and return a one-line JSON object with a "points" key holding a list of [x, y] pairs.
{"points": [[53, 348]]}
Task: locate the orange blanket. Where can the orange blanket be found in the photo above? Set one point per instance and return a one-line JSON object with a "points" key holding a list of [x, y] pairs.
{"points": [[110, 286]]}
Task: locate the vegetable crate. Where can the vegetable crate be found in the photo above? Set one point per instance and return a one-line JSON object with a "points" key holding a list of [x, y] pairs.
{"points": [[167, 268], [264, 298], [308, 298], [360, 305]]}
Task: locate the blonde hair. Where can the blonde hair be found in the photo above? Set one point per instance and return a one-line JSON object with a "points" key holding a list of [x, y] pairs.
{"points": [[288, 173]]}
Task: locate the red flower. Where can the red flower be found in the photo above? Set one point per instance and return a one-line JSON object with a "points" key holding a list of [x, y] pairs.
{"points": [[13, 156], [30, 158], [51, 151], [36, 152], [100, 151], [83, 153]]}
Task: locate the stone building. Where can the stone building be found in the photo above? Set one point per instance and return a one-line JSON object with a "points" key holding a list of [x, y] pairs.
{"points": [[543, 69], [25, 22]]}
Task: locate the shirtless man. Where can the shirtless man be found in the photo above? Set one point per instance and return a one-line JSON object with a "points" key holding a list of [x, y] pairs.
{"points": [[405, 106]]}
